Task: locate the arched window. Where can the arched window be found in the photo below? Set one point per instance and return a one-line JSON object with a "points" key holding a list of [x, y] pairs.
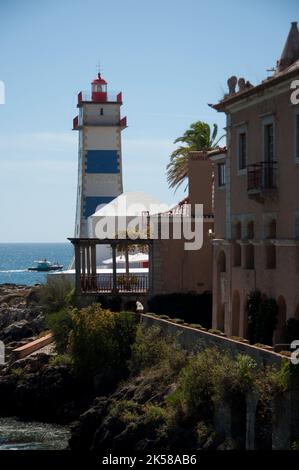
{"points": [[250, 230], [237, 251], [270, 231], [249, 256], [270, 256], [237, 230], [270, 249]]}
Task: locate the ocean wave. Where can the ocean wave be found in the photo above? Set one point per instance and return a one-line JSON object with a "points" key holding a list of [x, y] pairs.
{"points": [[15, 271]]}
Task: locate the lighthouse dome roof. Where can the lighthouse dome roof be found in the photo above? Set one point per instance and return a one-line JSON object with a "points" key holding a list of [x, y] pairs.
{"points": [[99, 81], [131, 204]]}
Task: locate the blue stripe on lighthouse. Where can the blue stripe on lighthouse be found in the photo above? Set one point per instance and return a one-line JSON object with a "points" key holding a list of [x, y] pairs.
{"points": [[102, 161], [92, 202]]}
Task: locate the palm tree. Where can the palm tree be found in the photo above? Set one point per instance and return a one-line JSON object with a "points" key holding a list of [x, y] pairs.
{"points": [[198, 137]]}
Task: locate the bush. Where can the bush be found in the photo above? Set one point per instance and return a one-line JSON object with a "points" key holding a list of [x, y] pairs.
{"points": [[100, 341], [214, 331], [56, 294], [61, 323], [208, 377], [291, 331], [191, 307], [196, 326], [60, 359], [261, 318], [151, 349]]}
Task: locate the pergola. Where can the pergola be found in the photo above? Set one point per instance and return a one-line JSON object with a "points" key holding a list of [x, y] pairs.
{"points": [[89, 281]]}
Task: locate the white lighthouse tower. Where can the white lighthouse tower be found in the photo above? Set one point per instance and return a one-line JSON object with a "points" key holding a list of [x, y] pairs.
{"points": [[99, 161]]}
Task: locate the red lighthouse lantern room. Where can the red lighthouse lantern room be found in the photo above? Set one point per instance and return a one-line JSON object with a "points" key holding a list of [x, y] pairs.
{"points": [[99, 89]]}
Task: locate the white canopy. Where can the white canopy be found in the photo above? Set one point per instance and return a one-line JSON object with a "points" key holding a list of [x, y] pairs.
{"points": [[133, 258]]}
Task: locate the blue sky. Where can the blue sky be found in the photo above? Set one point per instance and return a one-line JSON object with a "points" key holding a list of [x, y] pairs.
{"points": [[169, 58]]}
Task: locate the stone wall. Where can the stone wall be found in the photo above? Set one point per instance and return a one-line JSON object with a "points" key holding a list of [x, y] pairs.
{"points": [[192, 339]]}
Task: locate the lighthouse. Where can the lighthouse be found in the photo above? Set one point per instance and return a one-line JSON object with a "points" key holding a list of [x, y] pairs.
{"points": [[99, 124]]}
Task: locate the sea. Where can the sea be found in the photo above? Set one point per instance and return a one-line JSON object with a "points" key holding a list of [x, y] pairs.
{"points": [[16, 258], [29, 435]]}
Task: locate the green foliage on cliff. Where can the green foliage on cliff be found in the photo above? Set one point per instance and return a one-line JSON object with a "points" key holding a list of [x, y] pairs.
{"points": [[100, 341], [61, 324], [171, 398], [151, 349], [56, 295]]}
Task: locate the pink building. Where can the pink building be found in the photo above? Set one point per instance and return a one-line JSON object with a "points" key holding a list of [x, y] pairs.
{"points": [[256, 198]]}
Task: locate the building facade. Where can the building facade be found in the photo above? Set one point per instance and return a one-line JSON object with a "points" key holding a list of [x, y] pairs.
{"points": [[256, 243], [176, 269]]}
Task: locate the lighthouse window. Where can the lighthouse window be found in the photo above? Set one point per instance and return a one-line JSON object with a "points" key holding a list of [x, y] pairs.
{"points": [[102, 112]]}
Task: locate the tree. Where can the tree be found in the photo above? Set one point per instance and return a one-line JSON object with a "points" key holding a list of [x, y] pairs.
{"points": [[198, 137]]}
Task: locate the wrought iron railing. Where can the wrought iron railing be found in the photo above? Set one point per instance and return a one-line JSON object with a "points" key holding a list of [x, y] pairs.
{"points": [[262, 176], [104, 283]]}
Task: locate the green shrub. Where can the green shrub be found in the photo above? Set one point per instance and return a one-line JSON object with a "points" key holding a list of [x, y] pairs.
{"points": [[151, 349], [207, 377], [179, 321], [60, 359], [295, 445], [215, 331], [164, 317], [126, 411], [61, 324], [195, 325], [18, 372], [56, 294], [100, 340], [291, 330], [193, 397], [261, 318]]}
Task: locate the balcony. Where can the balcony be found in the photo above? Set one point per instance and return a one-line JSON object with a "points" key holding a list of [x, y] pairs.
{"points": [[100, 97], [262, 181], [105, 284]]}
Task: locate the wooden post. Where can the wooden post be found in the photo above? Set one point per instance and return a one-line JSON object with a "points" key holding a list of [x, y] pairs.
{"points": [[150, 267], [114, 283], [78, 268], [88, 260], [93, 257], [83, 265]]}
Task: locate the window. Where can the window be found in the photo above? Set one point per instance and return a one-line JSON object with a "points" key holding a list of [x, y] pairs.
{"points": [[221, 174], [269, 142], [270, 256], [250, 230], [242, 151], [237, 230], [237, 254], [249, 256], [102, 112]]}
